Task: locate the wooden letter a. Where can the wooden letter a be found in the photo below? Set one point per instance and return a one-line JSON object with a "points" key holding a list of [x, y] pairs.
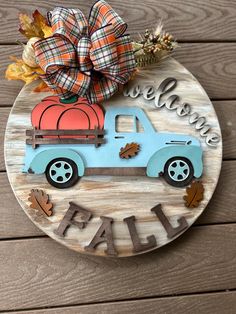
{"points": [[104, 234]]}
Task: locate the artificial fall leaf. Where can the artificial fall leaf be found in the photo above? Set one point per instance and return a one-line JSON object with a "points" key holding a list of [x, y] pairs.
{"points": [[40, 200], [21, 71], [42, 87], [34, 27], [130, 150], [41, 21], [194, 194]]}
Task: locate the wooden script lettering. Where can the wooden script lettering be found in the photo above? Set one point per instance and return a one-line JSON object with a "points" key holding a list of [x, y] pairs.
{"points": [[68, 220], [104, 234], [173, 102]]}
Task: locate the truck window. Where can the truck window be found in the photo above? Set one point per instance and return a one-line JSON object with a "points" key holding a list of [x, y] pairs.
{"points": [[128, 124]]}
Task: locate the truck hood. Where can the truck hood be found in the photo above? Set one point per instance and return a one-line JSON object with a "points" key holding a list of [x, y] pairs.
{"points": [[179, 139]]}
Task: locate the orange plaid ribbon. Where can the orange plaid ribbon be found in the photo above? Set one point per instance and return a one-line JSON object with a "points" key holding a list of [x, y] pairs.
{"points": [[89, 58]]}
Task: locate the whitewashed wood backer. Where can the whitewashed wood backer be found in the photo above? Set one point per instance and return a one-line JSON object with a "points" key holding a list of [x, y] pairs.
{"points": [[118, 196]]}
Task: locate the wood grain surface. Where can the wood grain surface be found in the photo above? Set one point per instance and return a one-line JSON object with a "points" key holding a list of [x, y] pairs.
{"points": [[117, 196], [217, 303], [44, 273], [29, 266], [16, 224], [187, 20]]}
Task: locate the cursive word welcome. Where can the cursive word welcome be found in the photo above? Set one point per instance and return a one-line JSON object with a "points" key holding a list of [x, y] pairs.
{"points": [[173, 102]]}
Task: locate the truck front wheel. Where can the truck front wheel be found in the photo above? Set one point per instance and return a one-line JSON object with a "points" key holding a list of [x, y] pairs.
{"points": [[62, 173], [178, 172]]}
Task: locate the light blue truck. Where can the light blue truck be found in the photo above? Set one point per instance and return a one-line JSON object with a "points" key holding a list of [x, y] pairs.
{"points": [[175, 157]]}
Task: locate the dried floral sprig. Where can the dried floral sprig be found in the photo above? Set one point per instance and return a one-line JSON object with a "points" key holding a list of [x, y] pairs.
{"points": [[153, 46]]}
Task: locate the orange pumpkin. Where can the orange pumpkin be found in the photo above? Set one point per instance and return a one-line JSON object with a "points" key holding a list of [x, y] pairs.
{"points": [[54, 114]]}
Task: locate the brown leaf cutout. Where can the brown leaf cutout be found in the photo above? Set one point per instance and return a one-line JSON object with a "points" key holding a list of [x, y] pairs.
{"points": [[40, 200], [130, 150], [194, 194]]}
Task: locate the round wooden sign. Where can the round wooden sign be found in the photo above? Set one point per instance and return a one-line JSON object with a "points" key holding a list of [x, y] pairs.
{"points": [[161, 161]]}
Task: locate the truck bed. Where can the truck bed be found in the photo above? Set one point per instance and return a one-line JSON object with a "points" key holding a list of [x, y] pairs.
{"points": [[37, 137]]}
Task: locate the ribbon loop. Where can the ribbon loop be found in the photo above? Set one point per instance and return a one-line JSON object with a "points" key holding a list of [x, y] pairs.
{"points": [[69, 23], [103, 52], [54, 53], [83, 54], [102, 14]]}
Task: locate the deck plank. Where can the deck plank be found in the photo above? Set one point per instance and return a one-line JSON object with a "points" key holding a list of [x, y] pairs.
{"points": [[201, 20], [214, 66], [14, 222], [39, 272], [217, 303]]}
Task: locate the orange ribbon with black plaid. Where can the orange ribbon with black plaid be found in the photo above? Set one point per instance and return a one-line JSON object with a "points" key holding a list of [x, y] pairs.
{"points": [[89, 58]]}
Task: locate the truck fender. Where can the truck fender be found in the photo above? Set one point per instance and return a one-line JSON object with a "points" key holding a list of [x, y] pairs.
{"points": [[40, 161], [158, 160]]}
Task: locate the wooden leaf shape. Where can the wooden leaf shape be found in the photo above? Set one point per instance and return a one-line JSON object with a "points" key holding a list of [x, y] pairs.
{"points": [[130, 150], [40, 200], [194, 194]]}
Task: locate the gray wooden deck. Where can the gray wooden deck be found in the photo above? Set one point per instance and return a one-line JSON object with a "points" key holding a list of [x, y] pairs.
{"points": [[196, 273]]}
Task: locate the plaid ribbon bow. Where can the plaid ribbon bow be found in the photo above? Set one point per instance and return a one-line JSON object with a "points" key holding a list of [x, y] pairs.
{"points": [[89, 58]]}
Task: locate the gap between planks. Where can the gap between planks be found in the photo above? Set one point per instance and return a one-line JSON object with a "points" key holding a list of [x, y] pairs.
{"points": [[130, 301]]}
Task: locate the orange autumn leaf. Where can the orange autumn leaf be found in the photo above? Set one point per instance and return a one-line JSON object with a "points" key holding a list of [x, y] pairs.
{"points": [[41, 21], [34, 27], [130, 150], [42, 87], [21, 71], [40, 201], [194, 195]]}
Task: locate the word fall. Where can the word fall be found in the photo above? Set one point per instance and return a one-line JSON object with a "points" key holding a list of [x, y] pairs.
{"points": [[105, 232]]}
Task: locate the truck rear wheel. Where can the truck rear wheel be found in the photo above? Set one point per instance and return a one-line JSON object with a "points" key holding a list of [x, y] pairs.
{"points": [[62, 173], [178, 172]]}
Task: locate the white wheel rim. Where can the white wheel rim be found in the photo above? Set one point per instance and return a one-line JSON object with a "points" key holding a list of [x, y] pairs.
{"points": [[60, 171], [178, 170]]}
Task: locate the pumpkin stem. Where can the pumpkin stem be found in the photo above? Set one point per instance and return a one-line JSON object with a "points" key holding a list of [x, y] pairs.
{"points": [[70, 100]]}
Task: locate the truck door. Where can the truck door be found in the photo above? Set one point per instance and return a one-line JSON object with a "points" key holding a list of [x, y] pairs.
{"points": [[128, 129]]}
